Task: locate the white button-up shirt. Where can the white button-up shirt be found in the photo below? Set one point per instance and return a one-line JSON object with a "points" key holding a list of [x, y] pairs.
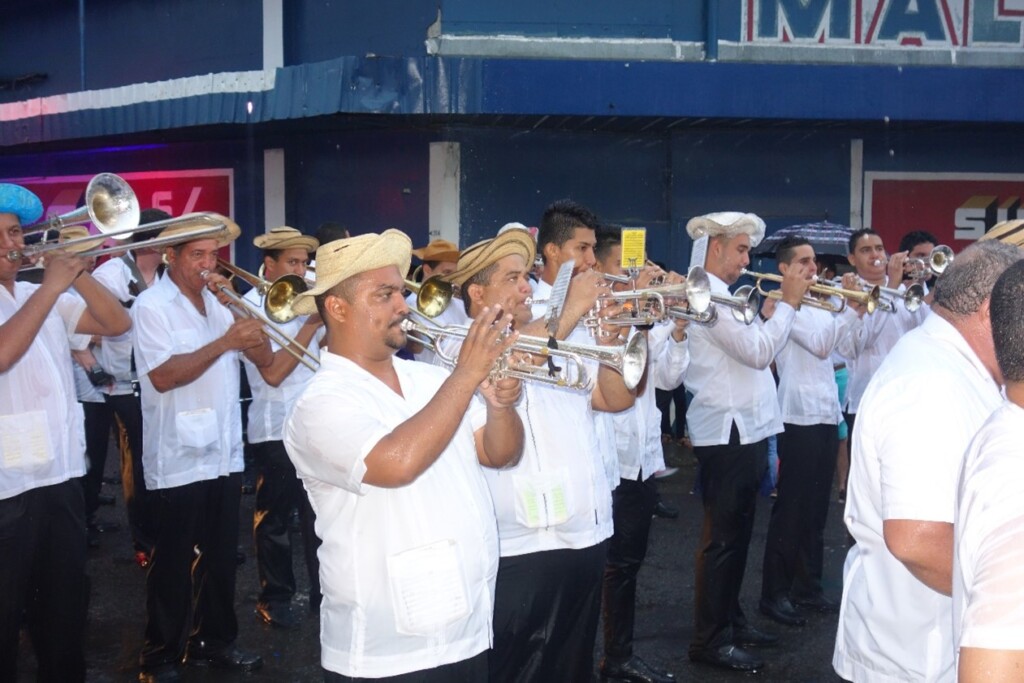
{"points": [[407, 573], [918, 415], [730, 378], [868, 346], [42, 434], [114, 354], [270, 404], [638, 429], [988, 565], [193, 432], [807, 385]]}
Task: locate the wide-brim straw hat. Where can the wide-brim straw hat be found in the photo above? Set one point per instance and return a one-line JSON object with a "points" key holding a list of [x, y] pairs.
{"points": [[285, 237], [485, 253], [341, 259], [184, 226], [1010, 232], [437, 250], [727, 224]]}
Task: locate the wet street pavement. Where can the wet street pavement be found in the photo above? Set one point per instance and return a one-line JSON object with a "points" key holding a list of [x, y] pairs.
{"points": [[664, 610]]}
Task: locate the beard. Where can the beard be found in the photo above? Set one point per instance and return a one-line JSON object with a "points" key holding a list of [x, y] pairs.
{"points": [[396, 337]]}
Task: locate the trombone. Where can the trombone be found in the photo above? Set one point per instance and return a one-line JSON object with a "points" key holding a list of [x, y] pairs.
{"points": [[868, 299], [629, 360], [203, 225], [246, 308], [433, 295], [278, 296], [110, 204]]}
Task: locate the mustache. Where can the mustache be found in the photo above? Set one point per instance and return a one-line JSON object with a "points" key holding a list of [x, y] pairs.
{"points": [[399, 320]]}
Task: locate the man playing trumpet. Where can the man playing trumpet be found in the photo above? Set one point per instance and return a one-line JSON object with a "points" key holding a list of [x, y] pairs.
{"points": [[554, 507], [187, 348], [390, 453], [42, 449]]}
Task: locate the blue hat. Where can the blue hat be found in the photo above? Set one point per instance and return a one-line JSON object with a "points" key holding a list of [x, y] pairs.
{"points": [[21, 202]]}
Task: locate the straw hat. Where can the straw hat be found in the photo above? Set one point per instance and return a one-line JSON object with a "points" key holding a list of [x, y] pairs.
{"points": [[437, 250], [21, 202], [727, 224], [224, 238], [483, 254], [285, 238], [1010, 232], [341, 259]]}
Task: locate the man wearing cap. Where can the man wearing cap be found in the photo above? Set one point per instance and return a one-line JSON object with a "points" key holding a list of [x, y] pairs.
{"points": [[278, 490], [734, 411], [439, 259], [42, 450], [126, 277], [187, 349], [390, 453], [554, 507]]}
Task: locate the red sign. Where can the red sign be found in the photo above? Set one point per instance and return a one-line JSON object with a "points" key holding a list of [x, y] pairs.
{"points": [[957, 208], [176, 192]]}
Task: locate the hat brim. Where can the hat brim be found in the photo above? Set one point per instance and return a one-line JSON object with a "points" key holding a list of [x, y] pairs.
{"points": [[341, 259], [193, 222], [483, 254]]}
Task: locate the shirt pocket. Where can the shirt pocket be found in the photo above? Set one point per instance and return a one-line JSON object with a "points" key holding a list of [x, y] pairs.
{"points": [[197, 429], [428, 588], [25, 442], [543, 500]]}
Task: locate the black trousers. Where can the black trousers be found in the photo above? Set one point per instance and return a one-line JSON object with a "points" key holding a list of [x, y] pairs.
{"points": [[793, 552], [42, 576], [278, 492], [190, 587], [730, 477], [663, 399], [128, 409], [633, 504], [472, 670], [546, 608], [99, 418]]}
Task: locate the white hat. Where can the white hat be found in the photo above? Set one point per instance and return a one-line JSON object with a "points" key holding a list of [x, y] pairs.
{"points": [[727, 224]]}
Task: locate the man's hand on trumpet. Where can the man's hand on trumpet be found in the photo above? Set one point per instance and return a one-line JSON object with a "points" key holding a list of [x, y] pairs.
{"points": [[487, 339], [795, 283], [852, 282], [216, 283], [245, 333], [62, 269], [895, 269]]}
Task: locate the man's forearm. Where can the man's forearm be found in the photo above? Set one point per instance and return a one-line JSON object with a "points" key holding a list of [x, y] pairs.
{"points": [[502, 437], [182, 369]]}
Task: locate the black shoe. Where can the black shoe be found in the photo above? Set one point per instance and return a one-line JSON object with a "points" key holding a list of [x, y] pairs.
{"points": [[781, 610], [633, 669], [817, 603], [728, 657], [277, 613], [748, 636], [225, 658], [105, 499], [162, 675], [665, 511]]}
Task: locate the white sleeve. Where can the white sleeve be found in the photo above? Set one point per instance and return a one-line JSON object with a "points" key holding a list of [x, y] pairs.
{"points": [[152, 337], [669, 363], [994, 614], [754, 345]]}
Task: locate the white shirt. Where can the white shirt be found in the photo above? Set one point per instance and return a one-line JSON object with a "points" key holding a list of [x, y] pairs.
{"points": [[988, 564], [558, 496], [270, 404], [638, 428], [407, 573], [114, 354], [730, 378], [807, 380], [867, 347], [193, 432], [42, 433], [925, 403]]}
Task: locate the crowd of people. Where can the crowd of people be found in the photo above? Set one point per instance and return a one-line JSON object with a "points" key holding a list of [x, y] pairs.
{"points": [[475, 487]]}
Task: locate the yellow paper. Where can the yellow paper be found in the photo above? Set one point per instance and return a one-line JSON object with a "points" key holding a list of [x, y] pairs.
{"points": [[634, 247]]}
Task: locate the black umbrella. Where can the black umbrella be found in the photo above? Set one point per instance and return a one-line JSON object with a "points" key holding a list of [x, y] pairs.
{"points": [[825, 237]]}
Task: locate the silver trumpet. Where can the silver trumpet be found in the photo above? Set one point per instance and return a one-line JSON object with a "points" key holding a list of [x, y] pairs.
{"points": [[628, 360], [918, 269], [649, 305]]}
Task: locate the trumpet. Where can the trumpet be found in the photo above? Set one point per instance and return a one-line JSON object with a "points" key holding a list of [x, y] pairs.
{"points": [[868, 299], [433, 295], [629, 360], [648, 305], [246, 308], [110, 204], [912, 296], [744, 304], [918, 269], [206, 226], [278, 296]]}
